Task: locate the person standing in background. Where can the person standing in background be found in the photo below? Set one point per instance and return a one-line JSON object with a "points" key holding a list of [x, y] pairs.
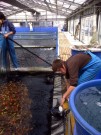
{"points": [[31, 26], [77, 30], [7, 30]]}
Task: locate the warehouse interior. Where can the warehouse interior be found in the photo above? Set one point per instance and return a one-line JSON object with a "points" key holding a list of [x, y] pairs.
{"points": [[43, 10], [45, 31]]}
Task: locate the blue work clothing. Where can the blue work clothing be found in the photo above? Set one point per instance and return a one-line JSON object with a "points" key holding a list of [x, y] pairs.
{"points": [[8, 45], [7, 26], [90, 71]]}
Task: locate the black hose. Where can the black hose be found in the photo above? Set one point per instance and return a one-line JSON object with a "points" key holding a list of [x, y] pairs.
{"points": [[30, 51]]}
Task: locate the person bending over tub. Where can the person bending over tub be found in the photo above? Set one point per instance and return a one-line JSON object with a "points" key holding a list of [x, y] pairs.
{"points": [[77, 69]]}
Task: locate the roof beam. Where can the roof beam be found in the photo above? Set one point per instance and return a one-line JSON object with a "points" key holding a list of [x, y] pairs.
{"points": [[19, 5], [71, 2], [47, 5], [53, 10], [15, 12], [8, 7], [84, 6]]}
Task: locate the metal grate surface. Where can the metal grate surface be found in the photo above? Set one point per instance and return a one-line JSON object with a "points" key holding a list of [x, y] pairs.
{"points": [[36, 39], [26, 59]]}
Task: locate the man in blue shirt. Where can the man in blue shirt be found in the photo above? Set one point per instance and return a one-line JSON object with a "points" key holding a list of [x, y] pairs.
{"points": [[8, 30], [77, 69]]}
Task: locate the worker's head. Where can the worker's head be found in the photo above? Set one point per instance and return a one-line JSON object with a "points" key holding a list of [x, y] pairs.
{"points": [[2, 17], [58, 66]]}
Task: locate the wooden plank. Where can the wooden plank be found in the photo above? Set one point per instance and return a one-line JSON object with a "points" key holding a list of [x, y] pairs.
{"points": [[32, 69]]}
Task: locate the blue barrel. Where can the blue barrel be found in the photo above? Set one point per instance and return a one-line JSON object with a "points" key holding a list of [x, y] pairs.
{"points": [[82, 127], [96, 52]]}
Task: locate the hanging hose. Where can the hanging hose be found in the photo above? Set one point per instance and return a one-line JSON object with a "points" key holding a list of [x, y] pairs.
{"points": [[28, 50]]}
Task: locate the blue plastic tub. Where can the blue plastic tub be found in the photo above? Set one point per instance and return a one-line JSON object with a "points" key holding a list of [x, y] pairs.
{"points": [[97, 52], [37, 29], [82, 127]]}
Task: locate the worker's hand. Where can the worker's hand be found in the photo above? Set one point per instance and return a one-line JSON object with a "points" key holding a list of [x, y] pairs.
{"points": [[62, 101], [64, 97], [6, 35]]}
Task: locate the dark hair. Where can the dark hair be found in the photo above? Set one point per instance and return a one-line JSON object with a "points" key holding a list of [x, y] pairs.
{"points": [[2, 16], [58, 63]]}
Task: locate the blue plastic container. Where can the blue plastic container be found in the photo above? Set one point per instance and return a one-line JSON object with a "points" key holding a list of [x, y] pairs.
{"points": [[97, 53], [81, 126], [37, 29], [22, 29]]}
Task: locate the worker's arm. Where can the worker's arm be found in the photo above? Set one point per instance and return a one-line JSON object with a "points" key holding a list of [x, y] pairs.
{"points": [[11, 30], [8, 34], [66, 94]]}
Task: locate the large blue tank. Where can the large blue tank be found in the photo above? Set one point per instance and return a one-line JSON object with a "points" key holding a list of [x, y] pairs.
{"points": [[96, 51], [85, 104]]}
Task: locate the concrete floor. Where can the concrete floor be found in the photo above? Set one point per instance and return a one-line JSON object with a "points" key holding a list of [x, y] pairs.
{"points": [[64, 46]]}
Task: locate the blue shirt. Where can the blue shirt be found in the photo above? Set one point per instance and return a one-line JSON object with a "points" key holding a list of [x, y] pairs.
{"points": [[8, 26]]}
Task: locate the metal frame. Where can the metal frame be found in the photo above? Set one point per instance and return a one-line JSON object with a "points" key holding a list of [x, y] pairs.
{"points": [[58, 7]]}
